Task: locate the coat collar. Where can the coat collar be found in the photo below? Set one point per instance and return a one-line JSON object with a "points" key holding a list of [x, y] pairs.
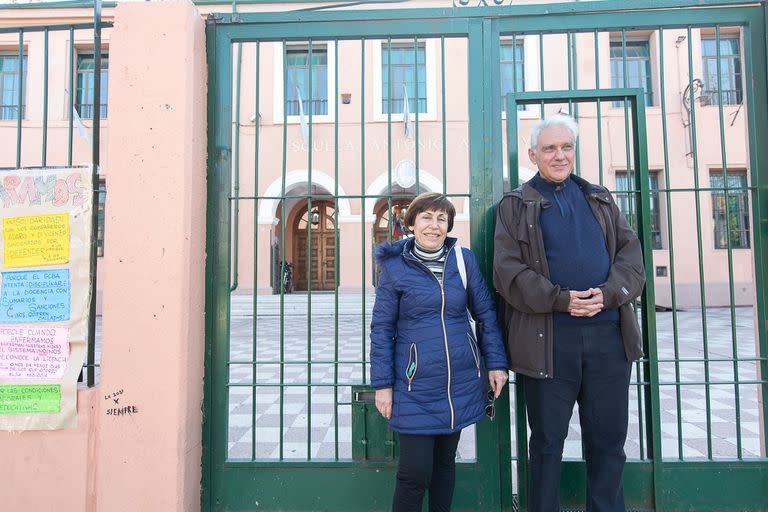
{"points": [[386, 250], [528, 194], [408, 245]]}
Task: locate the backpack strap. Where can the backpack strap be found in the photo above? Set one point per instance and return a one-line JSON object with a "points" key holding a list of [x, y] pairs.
{"points": [[460, 263], [463, 273]]}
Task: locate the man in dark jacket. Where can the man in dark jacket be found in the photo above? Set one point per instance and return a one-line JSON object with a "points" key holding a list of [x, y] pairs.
{"points": [[569, 266]]}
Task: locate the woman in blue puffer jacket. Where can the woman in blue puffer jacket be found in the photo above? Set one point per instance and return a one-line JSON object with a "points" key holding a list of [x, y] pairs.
{"points": [[426, 365]]}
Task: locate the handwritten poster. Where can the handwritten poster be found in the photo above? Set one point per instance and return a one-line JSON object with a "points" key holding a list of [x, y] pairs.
{"points": [[44, 294], [32, 398], [32, 352], [34, 296], [36, 240]]}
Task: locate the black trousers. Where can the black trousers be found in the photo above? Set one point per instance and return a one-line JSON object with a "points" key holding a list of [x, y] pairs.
{"points": [[426, 462], [589, 368]]}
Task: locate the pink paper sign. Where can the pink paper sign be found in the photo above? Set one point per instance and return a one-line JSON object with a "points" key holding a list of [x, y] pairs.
{"points": [[33, 352]]}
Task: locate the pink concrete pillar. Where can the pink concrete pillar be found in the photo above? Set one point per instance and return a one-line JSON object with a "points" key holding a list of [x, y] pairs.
{"points": [[154, 273]]}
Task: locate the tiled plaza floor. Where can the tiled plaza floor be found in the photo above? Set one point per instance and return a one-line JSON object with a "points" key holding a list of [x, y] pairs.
{"points": [[708, 425]]}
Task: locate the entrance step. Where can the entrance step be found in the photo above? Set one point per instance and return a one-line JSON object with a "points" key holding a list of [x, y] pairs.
{"points": [[297, 304]]}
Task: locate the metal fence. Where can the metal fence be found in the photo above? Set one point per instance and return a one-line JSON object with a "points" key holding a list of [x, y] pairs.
{"points": [[44, 135], [286, 372]]}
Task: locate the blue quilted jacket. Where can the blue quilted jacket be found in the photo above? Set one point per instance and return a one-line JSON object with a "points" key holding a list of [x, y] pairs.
{"points": [[422, 345]]}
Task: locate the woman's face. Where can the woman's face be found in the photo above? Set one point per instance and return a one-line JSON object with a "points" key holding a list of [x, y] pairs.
{"points": [[430, 229]]}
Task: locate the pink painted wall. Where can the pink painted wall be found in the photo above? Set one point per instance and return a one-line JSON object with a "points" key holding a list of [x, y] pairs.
{"points": [[153, 302], [49, 471]]}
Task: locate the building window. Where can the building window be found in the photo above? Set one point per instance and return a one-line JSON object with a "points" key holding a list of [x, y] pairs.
{"points": [[730, 71], [408, 70], [84, 100], [512, 70], [731, 212], [9, 86], [638, 68], [100, 225], [626, 203], [297, 87]]}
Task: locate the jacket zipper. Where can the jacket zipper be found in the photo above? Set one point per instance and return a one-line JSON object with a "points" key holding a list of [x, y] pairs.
{"points": [[445, 331], [413, 364], [445, 341]]}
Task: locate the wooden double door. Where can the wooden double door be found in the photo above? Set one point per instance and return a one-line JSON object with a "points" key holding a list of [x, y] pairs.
{"points": [[320, 222]]}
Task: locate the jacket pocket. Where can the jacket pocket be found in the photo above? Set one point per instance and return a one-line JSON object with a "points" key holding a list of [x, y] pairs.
{"points": [[413, 364], [527, 344], [475, 352], [526, 254]]}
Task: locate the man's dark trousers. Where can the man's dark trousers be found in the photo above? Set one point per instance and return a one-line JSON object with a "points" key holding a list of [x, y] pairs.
{"points": [[589, 367]]}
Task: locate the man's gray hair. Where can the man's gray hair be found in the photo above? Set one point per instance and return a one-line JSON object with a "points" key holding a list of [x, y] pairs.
{"points": [[563, 120]]}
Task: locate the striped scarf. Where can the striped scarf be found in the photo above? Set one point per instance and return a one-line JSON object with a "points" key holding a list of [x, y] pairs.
{"points": [[433, 260]]}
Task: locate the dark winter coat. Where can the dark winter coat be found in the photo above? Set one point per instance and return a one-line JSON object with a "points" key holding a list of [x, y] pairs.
{"points": [[521, 276], [421, 325]]}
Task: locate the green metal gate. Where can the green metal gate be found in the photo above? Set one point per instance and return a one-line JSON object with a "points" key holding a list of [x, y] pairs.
{"points": [[306, 122]]}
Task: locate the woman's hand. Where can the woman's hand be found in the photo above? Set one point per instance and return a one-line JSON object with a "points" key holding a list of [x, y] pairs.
{"points": [[497, 379], [384, 401]]}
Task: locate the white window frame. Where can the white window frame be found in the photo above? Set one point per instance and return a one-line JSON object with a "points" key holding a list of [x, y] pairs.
{"points": [[81, 52], [279, 103], [729, 33], [14, 52], [652, 64], [430, 54], [531, 68]]}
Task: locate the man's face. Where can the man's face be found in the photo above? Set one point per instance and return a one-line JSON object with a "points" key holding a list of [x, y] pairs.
{"points": [[554, 154]]}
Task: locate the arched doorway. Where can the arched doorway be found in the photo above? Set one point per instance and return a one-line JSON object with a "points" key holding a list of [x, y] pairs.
{"points": [[322, 263], [389, 225]]}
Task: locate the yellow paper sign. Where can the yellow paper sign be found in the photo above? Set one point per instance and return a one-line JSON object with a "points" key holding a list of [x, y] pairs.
{"points": [[36, 240]]}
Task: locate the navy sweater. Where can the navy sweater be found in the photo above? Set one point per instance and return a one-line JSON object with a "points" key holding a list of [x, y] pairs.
{"points": [[574, 243]]}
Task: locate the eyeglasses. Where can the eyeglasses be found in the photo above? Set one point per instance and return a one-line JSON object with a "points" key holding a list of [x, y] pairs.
{"points": [[490, 409]]}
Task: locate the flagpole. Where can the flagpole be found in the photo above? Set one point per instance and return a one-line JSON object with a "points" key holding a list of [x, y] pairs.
{"points": [[302, 118], [406, 113]]}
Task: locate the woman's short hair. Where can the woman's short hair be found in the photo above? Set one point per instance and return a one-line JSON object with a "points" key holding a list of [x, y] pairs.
{"points": [[563, 120], [429, 201]]}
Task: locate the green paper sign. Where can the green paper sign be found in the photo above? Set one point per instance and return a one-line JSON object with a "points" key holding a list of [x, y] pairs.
{"points": [[32, 398]]}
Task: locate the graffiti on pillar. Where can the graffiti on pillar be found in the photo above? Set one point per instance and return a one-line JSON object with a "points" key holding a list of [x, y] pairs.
{"points": [[117, 408]]}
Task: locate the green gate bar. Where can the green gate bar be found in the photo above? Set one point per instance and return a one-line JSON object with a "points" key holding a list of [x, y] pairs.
{"points": [[670, 242], [44, 156], [71, 94], [336, 267], [362, 207], [732, 299], [702, 286], [20, 97], [254, 324], [236, 188]]}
